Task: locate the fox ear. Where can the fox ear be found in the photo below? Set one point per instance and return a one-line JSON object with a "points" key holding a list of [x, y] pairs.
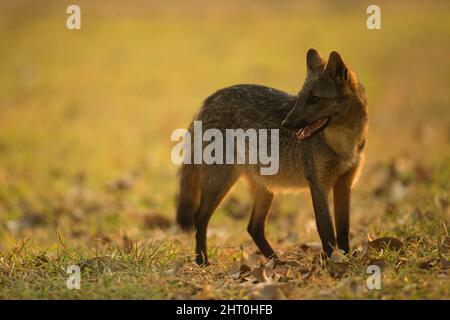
{"points": [[336, 67], [314, 61]]}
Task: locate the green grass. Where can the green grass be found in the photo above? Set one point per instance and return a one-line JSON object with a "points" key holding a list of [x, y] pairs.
{"points": [[85, 170]]}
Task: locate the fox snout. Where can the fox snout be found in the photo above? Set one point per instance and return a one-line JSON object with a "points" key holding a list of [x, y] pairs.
{"points": [[293, 123], [293, 120], [306, 124]]}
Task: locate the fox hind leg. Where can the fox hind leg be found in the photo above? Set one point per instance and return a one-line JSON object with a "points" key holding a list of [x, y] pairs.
{"points": [[215, 185], [262, 201]]}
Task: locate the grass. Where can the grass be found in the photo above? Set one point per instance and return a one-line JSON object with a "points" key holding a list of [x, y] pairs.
{"points": [[85, 170]]}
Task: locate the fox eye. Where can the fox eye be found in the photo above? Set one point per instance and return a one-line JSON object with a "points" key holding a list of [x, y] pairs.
{"points": [[313, 99]]}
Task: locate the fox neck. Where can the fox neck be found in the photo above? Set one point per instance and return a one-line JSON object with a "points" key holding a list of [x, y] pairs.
{"points": [[347, 137]]}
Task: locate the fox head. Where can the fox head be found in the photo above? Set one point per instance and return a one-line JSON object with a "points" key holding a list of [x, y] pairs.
{"points": [[329, 96]]}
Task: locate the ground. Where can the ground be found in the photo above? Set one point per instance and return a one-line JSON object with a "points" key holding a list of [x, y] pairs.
{"points": [[85, 171]]}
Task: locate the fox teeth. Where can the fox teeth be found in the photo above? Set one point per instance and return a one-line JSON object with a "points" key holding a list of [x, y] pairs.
{"points": [[300, 134]]}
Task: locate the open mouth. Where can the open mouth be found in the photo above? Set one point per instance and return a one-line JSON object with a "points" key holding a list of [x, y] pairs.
{"points": [[311, 128]]}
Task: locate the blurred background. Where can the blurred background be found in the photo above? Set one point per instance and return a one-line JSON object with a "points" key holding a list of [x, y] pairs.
{"points": [[86, 115]]}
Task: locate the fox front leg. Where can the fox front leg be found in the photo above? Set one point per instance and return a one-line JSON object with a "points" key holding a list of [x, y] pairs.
{"points": [[341, 198], [323, 218], [320, 204]]}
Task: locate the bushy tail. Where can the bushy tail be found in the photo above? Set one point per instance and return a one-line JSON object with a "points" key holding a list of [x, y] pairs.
{"points": [[188, 200]]}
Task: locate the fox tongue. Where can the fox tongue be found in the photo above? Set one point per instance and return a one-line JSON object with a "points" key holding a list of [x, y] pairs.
{"points": [[309, 130]]}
